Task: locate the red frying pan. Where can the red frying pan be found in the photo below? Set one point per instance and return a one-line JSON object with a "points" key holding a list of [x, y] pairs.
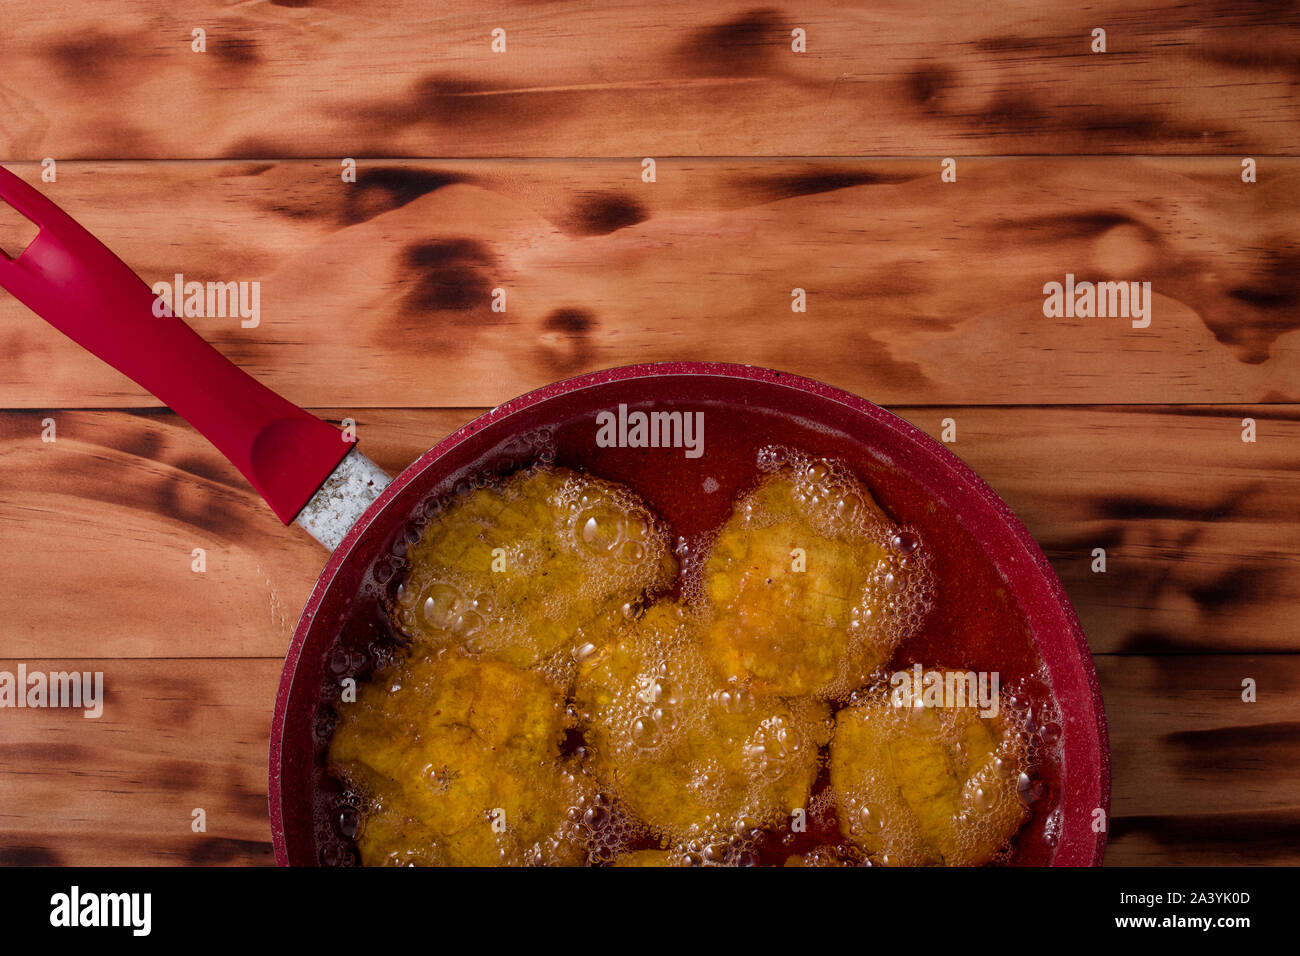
{"points": [[311, 476]]}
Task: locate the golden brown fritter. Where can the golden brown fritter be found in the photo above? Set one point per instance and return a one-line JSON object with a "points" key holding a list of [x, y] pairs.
{"points": [[927, 785], [823, 856], [513, 570], [691, 756], [648, 858], [461, 763], [806, 594]]}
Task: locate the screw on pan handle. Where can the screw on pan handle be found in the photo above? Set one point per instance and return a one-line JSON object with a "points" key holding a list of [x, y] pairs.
{"points": [[71, 279]]}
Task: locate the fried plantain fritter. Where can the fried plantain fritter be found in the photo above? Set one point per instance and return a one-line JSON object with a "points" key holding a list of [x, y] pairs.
{"points": [[824, 856], [460, 761], [804, 587], [514, 570], [927, 785], [694, 758], [644, 858]]}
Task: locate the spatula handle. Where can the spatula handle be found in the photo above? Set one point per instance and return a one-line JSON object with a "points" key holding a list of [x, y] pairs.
{"points": [[70, 279]]}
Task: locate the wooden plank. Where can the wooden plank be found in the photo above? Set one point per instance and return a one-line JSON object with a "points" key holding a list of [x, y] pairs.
{"points": [[1199, 776], [174, 736], [398, 77], [380, 293], [101, 530], [1199, 527]]}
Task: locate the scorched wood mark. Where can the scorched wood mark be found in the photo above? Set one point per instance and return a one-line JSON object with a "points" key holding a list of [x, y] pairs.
{"points": [[450, 275], [600, 213], [381, 189]]}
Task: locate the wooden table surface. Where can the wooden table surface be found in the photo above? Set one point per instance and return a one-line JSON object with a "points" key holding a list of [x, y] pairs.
{"points": [[774, 170]]}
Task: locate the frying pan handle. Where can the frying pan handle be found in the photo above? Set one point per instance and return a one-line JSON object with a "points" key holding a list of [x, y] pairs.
{"points": [[70, 279]]}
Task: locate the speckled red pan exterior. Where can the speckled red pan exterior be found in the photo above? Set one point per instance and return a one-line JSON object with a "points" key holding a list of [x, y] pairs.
{"points": [[1004, 541]]}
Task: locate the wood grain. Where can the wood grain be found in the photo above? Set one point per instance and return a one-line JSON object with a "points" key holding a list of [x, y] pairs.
{"points": [[379, 293], [1199, 776], [398, 77], [175, 736], [1200, 529]]}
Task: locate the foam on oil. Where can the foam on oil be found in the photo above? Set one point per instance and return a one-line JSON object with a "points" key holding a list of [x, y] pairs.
{"points": [[674, 695]]}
